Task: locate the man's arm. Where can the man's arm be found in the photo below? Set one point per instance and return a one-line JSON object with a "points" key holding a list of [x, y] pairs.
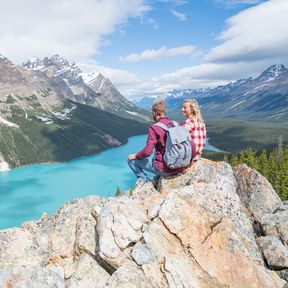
{"points": [[150, 144]]}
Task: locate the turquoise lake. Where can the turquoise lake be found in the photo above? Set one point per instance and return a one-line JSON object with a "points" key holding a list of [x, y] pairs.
{"points": [[27, 192]]}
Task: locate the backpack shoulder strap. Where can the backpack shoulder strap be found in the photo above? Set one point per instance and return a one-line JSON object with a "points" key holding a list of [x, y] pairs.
{"points": [[175, 123], [161, 125]]}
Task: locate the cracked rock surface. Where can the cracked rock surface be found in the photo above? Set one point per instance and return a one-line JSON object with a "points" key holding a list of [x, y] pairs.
{"points": [[197, 230]]}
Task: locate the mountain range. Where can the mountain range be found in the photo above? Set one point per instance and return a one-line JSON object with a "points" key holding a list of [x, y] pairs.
{"points": [[264, 98], [49, 113], [91, 89]]}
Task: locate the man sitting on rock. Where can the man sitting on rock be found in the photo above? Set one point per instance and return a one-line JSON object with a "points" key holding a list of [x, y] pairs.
{"points": [[156, 139]]}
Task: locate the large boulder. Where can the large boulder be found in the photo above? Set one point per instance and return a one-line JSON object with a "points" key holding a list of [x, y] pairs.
{"points": [[196, 230], [275, 252], [276, 223], [256, 193]]}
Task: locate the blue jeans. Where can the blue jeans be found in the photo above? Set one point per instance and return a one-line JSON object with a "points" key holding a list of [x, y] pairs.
{"points": [[147, 164]]}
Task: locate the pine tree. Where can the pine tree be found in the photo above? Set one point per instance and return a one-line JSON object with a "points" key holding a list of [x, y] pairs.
{"points": [[118, 192], [273, 166], [283, 174], [273, 175], [225, 158], [252, 159], [234, 160], [263, 164], [242, 157], [280, 148]]}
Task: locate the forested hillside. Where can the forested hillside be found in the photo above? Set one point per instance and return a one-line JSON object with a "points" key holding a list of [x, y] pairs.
{"points": [[273, 165]]}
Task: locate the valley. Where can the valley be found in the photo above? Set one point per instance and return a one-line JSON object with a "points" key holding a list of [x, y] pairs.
{"points": [[245, 113]]}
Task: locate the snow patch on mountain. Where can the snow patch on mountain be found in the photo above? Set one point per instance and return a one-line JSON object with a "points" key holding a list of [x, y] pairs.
{"points": [[89, 78], [237, 104], [255, 89], [101, 85], [131, 112], [34, 63], [7, 123], [277, 115], [4, 166], [63, 115], [44, 118]]}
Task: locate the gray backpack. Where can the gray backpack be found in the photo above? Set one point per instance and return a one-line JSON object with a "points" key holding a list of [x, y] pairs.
{"points": [[178, 151]]}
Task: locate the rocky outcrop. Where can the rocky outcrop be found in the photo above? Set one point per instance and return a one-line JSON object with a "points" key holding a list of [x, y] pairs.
{"points": [[204, 228], [4, 166]]}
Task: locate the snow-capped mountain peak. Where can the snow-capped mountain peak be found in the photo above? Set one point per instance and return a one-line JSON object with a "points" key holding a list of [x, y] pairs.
{"points": [[58, 67], [273, 72], [33, 63], [96, 77], [59, 62]]}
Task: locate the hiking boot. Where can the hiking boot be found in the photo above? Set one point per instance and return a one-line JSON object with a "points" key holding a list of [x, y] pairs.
{"points": [[141, 185], [155, 181]]}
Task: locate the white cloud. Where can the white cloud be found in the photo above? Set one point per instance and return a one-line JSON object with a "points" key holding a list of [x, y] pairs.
{"points": [[254, 39], [251, 44], [149, 21], [256, 34], [234, 3], [175, 2], [153, 23], [122, 79], [200, 76], [162, 52], [180, 16], [72, 28]]}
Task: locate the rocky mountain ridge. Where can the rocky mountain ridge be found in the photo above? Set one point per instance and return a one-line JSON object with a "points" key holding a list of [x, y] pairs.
{"points": [[96, 91], [47, 112], [209, 227], [264, 98]]}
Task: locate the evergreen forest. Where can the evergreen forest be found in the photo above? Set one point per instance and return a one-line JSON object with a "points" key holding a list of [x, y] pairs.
{"points": [[273, 165]]}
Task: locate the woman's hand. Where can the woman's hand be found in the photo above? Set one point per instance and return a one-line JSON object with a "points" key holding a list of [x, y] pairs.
{"points": [[132, 157]]}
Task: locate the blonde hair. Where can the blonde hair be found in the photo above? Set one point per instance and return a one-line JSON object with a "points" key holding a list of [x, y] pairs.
{"points": [[195, 109], [159, 108]]}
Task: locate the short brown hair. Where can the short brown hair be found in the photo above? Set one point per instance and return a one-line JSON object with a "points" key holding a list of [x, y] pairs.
{"points": [[159, 108]]}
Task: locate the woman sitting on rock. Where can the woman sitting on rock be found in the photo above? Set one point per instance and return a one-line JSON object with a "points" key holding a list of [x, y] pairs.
{"points": [[195, 124]]}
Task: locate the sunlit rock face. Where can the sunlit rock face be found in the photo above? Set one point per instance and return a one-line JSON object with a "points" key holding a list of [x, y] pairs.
{"points": [[210, 227]]}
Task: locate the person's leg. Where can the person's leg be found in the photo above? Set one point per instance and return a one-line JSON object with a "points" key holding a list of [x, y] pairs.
{"points": [[159, 173], [137, 166], [146, 164]]}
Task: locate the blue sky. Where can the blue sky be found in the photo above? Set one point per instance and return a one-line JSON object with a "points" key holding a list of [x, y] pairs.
{"points": [[146, 47], [204, 20]]}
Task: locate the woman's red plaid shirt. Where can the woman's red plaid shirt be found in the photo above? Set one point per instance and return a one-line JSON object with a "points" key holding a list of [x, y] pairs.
{"points": [[198, 134]]}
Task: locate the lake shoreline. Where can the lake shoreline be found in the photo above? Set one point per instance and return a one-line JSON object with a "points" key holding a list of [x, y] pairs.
{"points": [[27, 192], [63, 162], [215, 149]]}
